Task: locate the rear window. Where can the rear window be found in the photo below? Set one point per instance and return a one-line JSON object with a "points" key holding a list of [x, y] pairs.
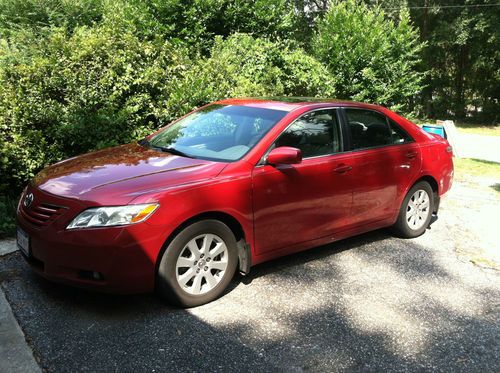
{"points": [[370, 129]]}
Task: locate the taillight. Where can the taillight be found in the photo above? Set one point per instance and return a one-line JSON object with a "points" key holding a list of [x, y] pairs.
{"points": [[449, 149]]}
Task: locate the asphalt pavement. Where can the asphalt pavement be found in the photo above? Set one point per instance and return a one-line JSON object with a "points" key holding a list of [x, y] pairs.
{"points": [[370, 303]]}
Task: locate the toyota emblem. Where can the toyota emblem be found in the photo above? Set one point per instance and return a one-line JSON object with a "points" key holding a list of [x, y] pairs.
{"points": [[28, 200]]}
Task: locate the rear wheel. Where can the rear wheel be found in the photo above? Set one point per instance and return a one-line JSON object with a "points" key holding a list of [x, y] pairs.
{"points": [[198, 264], [416, 211]]}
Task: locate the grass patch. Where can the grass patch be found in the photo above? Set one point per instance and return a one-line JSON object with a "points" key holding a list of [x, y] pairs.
{"points": [[8, 205], [479, 172], [478, 129], [482, 261], [476, 167]]}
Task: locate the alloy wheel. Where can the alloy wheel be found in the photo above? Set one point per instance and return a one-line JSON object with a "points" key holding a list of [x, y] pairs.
{"points": [[418, 209], [201, 264]]}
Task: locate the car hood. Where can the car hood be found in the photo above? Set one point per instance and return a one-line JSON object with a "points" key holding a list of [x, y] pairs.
{"points": [[124, 170]]}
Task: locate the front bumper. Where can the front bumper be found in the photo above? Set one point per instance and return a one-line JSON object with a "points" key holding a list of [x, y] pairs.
{"points": [[123, 257]]}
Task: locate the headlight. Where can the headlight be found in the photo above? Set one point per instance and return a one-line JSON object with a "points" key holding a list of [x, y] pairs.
{"points": [[112, 216]]}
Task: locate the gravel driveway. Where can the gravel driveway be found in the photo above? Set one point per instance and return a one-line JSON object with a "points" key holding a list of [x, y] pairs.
{"points": [[371, 303]]}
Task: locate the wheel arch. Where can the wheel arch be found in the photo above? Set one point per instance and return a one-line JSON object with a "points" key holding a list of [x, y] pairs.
{"points": [[244, 251], [435, 189], [432, 182]]}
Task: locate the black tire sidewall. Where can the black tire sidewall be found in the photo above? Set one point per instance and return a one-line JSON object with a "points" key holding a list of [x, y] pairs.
{"points": [[401, 227], [166, 282]]}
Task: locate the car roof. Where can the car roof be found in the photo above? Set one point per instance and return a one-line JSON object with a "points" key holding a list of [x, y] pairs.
{"points": [[289, 103]]}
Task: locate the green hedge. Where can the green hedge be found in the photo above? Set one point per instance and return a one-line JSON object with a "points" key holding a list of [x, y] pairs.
{"points": [[79, 91], [242, 65]]}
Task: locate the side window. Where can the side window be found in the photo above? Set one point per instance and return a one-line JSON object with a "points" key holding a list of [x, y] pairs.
{"points": [[399, 136], [368, 129], [315, 133]]}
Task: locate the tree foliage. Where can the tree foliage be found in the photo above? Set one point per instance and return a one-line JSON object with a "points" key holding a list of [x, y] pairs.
{"points": [[463, 58], [92, 88], [371, 58], [242, 65], [197, 22]]}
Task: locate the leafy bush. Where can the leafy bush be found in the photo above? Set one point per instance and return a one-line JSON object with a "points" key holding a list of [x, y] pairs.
{"points": [[242, 65], [37, 15], [371, 58], [193, 22], [197, 22], [7, 215], [90, 89]]}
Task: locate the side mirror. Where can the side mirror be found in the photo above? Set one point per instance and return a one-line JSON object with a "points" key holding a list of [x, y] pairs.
{"points": [[284, 155]]}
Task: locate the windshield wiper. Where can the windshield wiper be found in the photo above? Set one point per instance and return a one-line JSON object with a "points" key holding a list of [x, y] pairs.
{"points": [[171, 150], [143, 142]]}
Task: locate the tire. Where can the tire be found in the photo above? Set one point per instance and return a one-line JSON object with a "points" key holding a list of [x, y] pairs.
{"points": [[188, 275], [414, 217]]}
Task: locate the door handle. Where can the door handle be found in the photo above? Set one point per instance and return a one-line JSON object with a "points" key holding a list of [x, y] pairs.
{"points": [[342, 169], [411, 155]]}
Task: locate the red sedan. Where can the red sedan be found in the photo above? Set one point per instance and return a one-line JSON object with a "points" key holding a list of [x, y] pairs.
{"points": [[228, 186]]}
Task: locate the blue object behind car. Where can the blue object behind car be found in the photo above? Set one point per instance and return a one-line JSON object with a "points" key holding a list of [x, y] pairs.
{"points": [[438, 130]]}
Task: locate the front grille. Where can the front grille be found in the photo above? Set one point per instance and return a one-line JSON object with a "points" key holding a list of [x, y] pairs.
{"points": [[42, 214]]}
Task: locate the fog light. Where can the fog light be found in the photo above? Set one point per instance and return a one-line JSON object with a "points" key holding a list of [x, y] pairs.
{"points": [[91, 275]]}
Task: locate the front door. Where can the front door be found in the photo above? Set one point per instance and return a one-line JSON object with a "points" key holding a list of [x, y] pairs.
{"points": [[307, 201]]}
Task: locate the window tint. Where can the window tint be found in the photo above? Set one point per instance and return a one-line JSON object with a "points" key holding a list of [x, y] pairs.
{"points": [[315, 133], [368, 128], [399, 136]]}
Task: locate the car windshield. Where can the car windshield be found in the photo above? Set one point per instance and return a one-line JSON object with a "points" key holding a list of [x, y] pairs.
{"points": [[217, 132]]}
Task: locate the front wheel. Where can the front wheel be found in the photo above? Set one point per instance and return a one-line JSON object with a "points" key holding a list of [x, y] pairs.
{"points": [[416, 211], [198, 264]]}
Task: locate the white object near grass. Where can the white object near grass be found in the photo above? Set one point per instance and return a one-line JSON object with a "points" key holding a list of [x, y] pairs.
{"points": [[451, 135]]}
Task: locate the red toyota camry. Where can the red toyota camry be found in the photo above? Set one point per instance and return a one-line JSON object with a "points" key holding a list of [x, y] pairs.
{"points": [[228, 186]]}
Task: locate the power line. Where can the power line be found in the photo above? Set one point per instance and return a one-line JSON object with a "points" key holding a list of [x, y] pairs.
{"points": [[444, 6]]}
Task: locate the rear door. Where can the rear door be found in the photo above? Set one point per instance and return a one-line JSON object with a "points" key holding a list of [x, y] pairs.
{"points": [[307, 201], [385, 160]]}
